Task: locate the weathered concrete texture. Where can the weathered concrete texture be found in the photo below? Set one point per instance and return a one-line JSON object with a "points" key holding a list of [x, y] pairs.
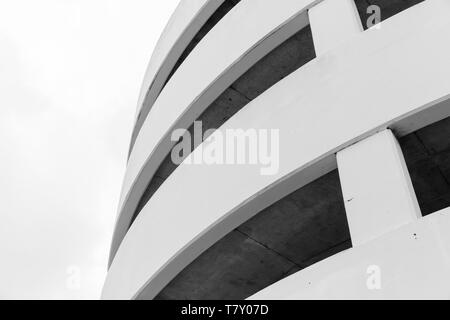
{"points": [[228, 104], [306, 226], [232, 269], [388, 8], [427, 154], [279, 63], [288, 57]]}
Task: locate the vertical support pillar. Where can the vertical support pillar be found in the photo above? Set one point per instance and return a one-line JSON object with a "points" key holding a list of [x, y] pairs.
{"points": [[378, 192], [333, 22]]}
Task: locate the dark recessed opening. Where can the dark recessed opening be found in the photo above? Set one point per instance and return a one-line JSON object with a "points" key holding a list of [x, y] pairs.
{"points": [[427, 155], [221, 12], [299, 230]]}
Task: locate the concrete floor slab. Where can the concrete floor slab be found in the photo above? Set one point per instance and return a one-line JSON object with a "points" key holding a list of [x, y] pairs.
{"points": [[234, 268]]}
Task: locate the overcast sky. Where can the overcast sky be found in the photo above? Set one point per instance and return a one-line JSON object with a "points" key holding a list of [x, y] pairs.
{"points": [[70, 74]]}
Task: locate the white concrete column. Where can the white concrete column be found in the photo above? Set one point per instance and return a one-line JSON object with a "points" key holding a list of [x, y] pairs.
{"points": [[378, 193], [333, 22]]}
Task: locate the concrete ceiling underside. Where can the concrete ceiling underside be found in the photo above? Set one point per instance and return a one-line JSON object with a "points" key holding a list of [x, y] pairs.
{"points": [[301, 229], [427, 155]]}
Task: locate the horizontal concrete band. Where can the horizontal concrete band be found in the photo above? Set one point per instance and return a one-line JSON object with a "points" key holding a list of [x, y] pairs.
{"points": [[415, 267], [183, 25], [256, 28], [369, 84]]}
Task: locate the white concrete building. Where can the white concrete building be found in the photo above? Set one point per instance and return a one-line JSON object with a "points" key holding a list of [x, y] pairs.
{"points": [[358, 206]]}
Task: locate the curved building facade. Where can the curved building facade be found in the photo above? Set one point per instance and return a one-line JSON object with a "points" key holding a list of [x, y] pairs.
{"points": [[295, 149]]}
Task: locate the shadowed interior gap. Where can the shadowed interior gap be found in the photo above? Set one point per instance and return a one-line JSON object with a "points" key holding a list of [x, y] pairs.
{"points": [[279, 63], [427, 155], [221, 12], [299, 230]]}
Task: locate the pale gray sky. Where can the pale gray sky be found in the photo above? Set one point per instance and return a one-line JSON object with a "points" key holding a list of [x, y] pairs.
{"points": [[70, 74]]}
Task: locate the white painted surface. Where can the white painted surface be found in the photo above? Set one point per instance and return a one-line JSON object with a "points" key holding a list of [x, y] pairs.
{"points": [[412, 262], [378, 193], [342, 86], [252, 29], [187, 19], [333, 23]]}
